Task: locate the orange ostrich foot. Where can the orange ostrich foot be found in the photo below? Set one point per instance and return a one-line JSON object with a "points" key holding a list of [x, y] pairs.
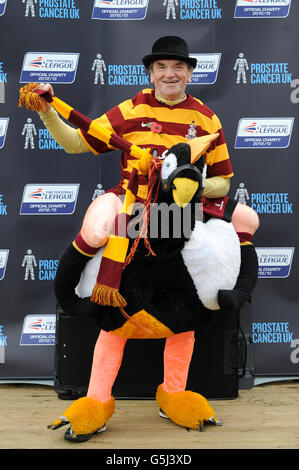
{"points": [[86, 416], [188, 409]]}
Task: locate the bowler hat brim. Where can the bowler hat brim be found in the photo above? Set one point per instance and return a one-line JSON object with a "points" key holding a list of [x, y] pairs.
{"points": [[150, 58]]}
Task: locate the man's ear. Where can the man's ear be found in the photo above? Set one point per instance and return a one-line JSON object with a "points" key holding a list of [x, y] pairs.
{"points": [[151, 77], [190, 76]]}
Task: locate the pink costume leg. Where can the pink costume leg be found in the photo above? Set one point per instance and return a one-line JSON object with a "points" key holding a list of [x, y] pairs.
{"points": [[99, 218], [177, 357], [107, 359]]}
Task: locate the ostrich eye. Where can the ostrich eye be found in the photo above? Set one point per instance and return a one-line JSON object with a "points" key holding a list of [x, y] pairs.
{"points": [[170, 163]]}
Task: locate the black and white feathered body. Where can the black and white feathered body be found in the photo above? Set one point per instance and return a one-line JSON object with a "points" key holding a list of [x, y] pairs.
{"points": [[179, 286]]}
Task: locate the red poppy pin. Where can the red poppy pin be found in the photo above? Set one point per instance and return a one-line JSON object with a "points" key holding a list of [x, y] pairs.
{"points": [[153, 126]]}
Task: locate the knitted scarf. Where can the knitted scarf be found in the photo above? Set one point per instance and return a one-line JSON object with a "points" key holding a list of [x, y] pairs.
{"points": [[114, 259]]}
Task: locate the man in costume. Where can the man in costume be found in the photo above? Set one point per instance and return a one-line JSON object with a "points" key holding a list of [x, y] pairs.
{"points": [[157, 119]]}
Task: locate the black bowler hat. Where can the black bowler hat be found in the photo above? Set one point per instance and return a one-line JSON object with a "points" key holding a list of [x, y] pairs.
{"points": [[169, 47]]}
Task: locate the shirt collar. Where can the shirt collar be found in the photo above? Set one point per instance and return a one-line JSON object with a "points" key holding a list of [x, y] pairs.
{"points": [[169, 102]]}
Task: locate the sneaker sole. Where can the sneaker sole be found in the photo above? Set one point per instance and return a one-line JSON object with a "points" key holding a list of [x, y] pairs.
{"points": [[163, 415]]}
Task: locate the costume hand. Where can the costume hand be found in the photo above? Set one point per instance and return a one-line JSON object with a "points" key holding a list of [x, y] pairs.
{"points": [[231, 300], [226, 300]]}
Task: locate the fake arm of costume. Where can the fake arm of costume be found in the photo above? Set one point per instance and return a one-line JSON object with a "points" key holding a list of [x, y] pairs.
{"points": [[219, 168], [216, 186], [66, 136]]}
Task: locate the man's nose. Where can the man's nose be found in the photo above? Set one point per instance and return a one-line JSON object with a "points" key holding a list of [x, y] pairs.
{"points": [[169, 73]]}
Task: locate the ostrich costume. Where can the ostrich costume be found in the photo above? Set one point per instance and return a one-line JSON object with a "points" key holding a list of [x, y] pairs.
{"points": [[168, 288]]}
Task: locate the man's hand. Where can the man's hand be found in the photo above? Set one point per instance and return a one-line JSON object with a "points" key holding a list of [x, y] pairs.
{"points": [[46, 87]]}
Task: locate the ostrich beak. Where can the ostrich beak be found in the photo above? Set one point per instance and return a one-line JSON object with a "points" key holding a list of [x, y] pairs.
{"points": [[185, 189], [200, 145]]}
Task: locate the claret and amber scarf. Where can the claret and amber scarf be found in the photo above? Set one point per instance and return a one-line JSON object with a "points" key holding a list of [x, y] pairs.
{"points": [[115, 256]]}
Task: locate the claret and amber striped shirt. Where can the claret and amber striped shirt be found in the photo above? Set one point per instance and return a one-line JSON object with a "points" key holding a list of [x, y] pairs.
{"points": [[147, 122]]}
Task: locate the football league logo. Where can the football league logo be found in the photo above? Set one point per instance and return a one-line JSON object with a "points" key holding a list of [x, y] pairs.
{"points": [[2, 7], [51, 67], [262, 8], [120, 9], [265, 133]]}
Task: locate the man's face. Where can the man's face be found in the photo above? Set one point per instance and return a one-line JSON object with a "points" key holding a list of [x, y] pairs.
{"points": [[170, 78]]}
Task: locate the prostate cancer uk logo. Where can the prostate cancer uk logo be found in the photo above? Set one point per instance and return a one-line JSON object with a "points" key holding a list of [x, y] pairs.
{"points": [[49, 199], [275, 262], [120, 9], [261, 133], [52, 67], [206, 70], [262, 8], [38, 330], [58, 9], [192, 9]]}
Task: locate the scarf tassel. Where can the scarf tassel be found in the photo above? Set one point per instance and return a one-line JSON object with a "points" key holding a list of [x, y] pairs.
{"points": [[105, 295], [111, 297]]}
